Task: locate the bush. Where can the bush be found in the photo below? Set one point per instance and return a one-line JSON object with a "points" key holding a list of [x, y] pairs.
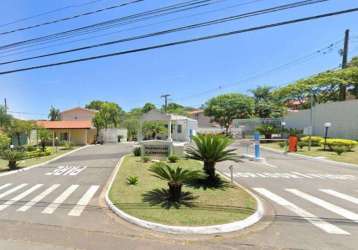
{"points": [[333, 143], [267, 130], [37, 153], [4, 141], [282, 144], [12, 156], [146, 159], [136, 151], [132, 180], [30, 148], [339, 150], [68, 145], [302, 144], [315, 140], [173, 159]]}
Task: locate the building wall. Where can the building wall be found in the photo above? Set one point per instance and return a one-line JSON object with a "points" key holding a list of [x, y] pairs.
{"points": [[203, 120], [110, 135], [76, 136], [77, 115], [342, 115]]}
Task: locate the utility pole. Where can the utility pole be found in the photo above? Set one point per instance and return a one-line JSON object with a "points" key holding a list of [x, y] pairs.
{"points": [[342, 87], [5, 105], [165, 101]]}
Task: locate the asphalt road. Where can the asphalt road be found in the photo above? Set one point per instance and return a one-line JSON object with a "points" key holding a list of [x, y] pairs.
{"points": [[310, 204]]}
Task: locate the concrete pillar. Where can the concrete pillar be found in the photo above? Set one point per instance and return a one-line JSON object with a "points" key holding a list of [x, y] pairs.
{"points": [[86, 132], [170, 130], [53, 138]]}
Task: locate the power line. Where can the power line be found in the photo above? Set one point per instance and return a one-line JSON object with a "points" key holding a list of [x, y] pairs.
{"points": [[133, 28], [71, 17], [114, 22], [267, 26], [49, 12], [183, 28]]}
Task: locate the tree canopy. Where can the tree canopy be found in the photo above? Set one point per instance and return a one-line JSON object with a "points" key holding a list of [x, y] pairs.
{"points": [[225, 108], [148, 107], [109, 116], [54, 114]]}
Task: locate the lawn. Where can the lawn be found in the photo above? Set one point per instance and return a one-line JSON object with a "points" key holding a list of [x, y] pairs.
{"points": [[348, 157], [211, 206], [32, 161]]}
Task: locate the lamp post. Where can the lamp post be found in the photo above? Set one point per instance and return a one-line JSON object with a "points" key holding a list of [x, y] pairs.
{"points": [[56, 143], [12, 146], [283, 124], [327, 125]]}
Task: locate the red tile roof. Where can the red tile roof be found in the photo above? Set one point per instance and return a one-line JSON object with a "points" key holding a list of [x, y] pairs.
{"points": [[64, 124]]}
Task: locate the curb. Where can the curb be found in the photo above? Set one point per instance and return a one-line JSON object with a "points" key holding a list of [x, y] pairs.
{"points": [[215, 229], [311, 157], [43, 163]]}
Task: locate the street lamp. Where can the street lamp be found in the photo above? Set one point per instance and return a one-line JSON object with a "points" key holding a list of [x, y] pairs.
{"points": [[327, 125], [12, 146], [56, 143]]}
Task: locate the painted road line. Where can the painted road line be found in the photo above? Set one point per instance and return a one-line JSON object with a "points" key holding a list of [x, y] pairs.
{"points": [[313, 219], [38, 198], [340, 195], [59, 200], [20, 196], [329, 206], [14, 189], [5, 186], [83, 202]]}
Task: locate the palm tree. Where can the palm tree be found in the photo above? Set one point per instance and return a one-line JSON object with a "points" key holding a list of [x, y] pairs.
{"points": [[175, 178], [211, 149], [54, 114]]}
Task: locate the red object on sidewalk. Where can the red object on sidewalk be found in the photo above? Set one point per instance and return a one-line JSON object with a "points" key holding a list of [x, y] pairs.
{"points": [[292, 143]]}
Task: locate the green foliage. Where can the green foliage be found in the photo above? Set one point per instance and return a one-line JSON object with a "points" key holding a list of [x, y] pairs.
{"points": [[54, 114], [37, 153], [4, 141], [18, 127], [211, 149], [174, 108], [148, 107], [12, 156], [44, 136], [174, 176], [136, 151], [339, 149], [282, 144], [30, 148], [68, 145], [146, 159], [315, 140], [302, 144], [154, 129], [5, 119], [132, 180], [344, 143], [225, 108], [267, 130], [109, 116], [173, 159]]}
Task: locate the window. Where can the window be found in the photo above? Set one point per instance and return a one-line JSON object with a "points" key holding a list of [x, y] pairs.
{"points": [[63, 136], [179, 128]]}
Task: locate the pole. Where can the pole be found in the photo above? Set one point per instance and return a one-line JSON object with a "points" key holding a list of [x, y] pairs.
{"points": [[165, 101], [325, 138], [311, 124], [342, 87], [5, 104], [257, 146]]}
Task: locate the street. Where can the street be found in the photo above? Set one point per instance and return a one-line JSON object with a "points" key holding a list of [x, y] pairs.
{"points": [[314, 203]]}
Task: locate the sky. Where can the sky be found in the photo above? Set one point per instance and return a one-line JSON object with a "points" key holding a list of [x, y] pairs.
{"points": [[190, 73]]}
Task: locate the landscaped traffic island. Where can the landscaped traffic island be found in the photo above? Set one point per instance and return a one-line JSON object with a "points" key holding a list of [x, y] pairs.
{"points": [[139, 192]]}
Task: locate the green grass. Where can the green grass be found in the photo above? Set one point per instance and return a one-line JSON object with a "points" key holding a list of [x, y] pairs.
{"points": [[212, 206], [32, 161], [347, 157]]}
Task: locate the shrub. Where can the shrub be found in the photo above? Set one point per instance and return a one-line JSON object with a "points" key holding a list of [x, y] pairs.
{"points": [[315, 140], [282, 144], [37, 153], [346, 144], [136, 151], [30, 148], [339, 150], [68, 145], [173, 158], [132, 180], [4, 141], [12, 156], [302, 144], [267, 130], [146, 159], [174, 176]]}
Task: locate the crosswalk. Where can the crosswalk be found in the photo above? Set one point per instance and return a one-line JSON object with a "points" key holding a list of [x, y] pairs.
{"points": [[23, 197], [319, 203]]}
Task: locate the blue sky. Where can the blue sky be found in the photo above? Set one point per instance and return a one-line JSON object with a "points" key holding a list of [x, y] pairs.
{"points": [[186, 72]]}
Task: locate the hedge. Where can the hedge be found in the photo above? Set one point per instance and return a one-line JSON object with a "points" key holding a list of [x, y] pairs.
{"points": [[344, 143], [37, 153], [315, 140]]}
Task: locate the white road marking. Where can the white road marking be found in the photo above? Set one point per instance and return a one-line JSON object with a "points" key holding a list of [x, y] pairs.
{"points": [[303, 175], [5, 186], [20, 196], [340, 195], [82, 203], [59, 200], [14, 189], [67, 170], [325, 226], [329, 206], [38, 198]]}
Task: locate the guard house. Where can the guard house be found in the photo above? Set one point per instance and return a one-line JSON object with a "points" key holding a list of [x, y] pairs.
{"points": [[180, 131]]}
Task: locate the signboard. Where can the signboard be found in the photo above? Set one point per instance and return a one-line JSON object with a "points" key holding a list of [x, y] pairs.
{"points": [[156, 149]]}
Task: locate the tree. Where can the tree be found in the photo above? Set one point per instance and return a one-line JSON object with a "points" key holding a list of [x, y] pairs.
{"points": [[265, 104], [262, 93], [4, 141], [5, 119], [19, 127], [225, 108], [175, 178], [45, 136], [109, 116], [148, 107], [211, 149], [55, 114], [95, 104], [152, 129], [174, 108]]}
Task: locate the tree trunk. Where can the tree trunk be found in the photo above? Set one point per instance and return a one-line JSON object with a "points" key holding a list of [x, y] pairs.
{"points": [[209, 168], [12, 164], [175, 190]]}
